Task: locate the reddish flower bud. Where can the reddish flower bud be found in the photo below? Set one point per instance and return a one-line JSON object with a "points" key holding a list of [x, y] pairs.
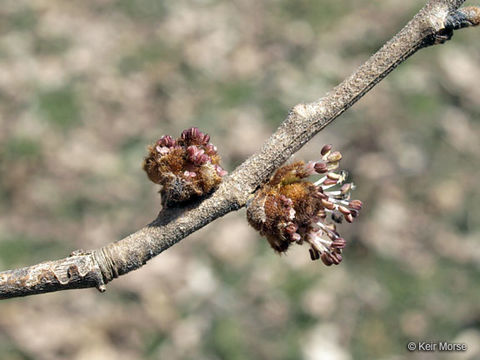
{"points": [[321, 168], [326, 259], [356, 204], [328, 205], [328, 182], [326, 149], [344, 210], [186, 167], [339, 243], [334, 157], [167, 141]]}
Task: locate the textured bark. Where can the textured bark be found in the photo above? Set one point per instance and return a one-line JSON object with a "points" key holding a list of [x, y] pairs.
{"points": [[432, 25]]}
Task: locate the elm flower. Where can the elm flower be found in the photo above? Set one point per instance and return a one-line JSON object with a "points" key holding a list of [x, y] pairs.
{"points": [[186, 167], [291, 209]]}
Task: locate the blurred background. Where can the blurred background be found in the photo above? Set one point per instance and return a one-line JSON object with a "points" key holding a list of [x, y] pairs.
{"points": [[86, 85]]}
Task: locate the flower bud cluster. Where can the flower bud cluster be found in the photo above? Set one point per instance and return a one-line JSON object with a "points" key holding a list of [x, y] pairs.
{"points": [[291, 209], [186, 167]]}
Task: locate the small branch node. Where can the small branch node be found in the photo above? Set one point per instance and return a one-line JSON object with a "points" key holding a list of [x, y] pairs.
{"points": [[107, 267], [305, 111], [459, 19]]}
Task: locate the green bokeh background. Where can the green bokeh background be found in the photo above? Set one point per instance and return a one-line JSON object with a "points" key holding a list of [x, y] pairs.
{"points": [[85, 86]]}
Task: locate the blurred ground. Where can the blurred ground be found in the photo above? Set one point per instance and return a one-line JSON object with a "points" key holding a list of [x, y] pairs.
{"points": [[85, 86]]}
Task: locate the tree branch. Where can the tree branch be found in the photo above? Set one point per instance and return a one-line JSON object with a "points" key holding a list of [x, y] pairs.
{"points": [[433, 24]]}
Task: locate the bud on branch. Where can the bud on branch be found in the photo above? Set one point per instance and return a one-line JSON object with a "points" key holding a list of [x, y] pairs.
{"points": [[291, 209], [186, 168]]}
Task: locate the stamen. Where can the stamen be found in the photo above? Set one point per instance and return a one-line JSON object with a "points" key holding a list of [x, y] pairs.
{"points": [[292, 209]]}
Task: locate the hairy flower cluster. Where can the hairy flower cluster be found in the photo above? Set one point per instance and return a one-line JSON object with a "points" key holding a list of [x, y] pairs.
{"points": [[290, 209], [186, 167]]}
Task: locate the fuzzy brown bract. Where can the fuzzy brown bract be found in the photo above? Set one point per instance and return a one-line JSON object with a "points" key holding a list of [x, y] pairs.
{"points": [[286, 203]]}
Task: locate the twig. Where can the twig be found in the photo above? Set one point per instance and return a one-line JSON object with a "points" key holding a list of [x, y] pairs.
{"points": [[433, 24]]}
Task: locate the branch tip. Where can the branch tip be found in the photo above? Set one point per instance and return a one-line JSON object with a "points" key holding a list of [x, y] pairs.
{"points": [[464, 17]]}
